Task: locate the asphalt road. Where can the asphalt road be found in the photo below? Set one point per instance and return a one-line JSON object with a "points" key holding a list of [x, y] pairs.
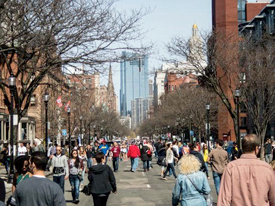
{"points": [[136, 189]]}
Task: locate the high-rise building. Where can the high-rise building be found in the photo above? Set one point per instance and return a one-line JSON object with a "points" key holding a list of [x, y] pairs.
{"points": [[134, 80]]}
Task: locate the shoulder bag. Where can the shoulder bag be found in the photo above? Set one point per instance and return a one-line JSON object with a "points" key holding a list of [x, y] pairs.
{"points": [[208, 198]]}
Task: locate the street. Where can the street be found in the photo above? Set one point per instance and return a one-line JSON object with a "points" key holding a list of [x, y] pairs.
{"points": [[136, 189]]}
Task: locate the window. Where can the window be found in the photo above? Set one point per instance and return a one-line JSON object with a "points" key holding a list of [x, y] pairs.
{"points": [[172, 87], [243, 123], [33, 100]]}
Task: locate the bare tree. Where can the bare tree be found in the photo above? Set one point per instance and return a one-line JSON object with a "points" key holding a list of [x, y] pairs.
{"points": [[37, 37]]}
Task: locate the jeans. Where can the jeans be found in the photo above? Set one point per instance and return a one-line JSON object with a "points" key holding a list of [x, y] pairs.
{"points": [[206, 169], [268, 158], [6, 163], [134, 163], [217, 181], [74, 181], [115, 163], [59, 180], [170, 165], [89, 163], [146, 165], [100, 200]]}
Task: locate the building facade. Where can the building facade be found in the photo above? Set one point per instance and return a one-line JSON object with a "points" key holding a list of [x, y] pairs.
{"points": [[134, 80]]}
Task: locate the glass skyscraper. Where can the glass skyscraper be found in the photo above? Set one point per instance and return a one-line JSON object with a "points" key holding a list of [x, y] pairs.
{"points": [[134, 80]]}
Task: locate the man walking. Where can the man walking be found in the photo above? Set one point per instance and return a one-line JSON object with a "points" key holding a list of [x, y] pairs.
{"points": [[60, 167], [116, 152], [104, 148], [218, 158], [89, 153], [248, 181], [195, 151], [22, 150], [134, 154], [268, 151], [38, 190]]}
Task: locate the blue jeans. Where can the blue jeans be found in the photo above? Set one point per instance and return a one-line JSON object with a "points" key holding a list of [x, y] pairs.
{"points": [[170, 166], [115, 163], [74, 181], [217, 181], [206, 169], [59, 180], [90, 162], [146, 165], [6, 163], [134, 163]]}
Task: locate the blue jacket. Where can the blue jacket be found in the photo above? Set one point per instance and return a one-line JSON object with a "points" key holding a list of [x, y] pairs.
{"points": [[188, 193]]}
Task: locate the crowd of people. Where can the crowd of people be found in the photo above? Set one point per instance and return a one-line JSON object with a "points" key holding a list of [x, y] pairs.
{"points": [[240, 178]]}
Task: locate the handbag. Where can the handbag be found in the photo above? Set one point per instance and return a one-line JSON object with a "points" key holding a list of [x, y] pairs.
{"points": [[79, 175], [208, 198]]}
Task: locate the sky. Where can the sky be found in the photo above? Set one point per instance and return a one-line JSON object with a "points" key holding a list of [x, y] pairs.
{"points": [[168, 18]]}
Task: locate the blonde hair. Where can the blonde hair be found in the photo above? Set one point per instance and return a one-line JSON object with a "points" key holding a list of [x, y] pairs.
{"points": [[272, 164], [189, 164]]}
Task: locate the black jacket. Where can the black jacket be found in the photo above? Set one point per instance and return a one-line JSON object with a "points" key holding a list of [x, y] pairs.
{"points": [[102, 179], [200, 158], [143, 154]]}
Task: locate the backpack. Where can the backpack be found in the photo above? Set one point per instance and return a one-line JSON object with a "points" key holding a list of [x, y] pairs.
{"points": [[149, 152], [161, 161]]}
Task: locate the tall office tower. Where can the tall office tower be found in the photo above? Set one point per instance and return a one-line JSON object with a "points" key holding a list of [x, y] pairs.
{"points": [[134, 80]]}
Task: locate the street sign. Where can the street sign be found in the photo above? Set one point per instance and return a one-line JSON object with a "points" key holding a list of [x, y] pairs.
{"points": [[64, 132]]}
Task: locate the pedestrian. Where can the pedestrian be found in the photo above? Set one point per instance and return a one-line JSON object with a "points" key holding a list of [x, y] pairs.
{"points": [[5, 159], [268, 151], [95, 150], [235, 152], [170, 161], [60, 167], [104, 148], [191, 183], [194, 150], [150, 153], [145, 157], [134, 154], [21, 164], [218, 158], [22, 150], [185, 149], [102, 181], [180, 149], [75, 170], [2, 192], [176, 149], [38, 190], [124, 151], [89, 153], [83, 157], [205, 158], [248, 181], [158, 146], [116, 153], [161, 159]]}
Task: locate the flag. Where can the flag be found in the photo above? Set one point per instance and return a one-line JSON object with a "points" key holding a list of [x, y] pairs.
{"points": [[67, 105], [59, 101]]}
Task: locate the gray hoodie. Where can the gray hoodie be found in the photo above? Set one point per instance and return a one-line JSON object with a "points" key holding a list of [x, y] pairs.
{"points": [[60, 161]]}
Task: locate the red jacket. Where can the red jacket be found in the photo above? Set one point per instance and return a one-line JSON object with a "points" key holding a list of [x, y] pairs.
{"points": [[133, 151]]}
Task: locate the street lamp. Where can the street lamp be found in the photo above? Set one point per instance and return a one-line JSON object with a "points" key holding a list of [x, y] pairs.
{"points": [[12, 85], [80, 118], [207, 125], [46, 100], [237, 95], [69, 129], [94, 132]]}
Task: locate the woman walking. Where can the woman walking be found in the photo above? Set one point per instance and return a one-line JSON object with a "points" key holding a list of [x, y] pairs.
{"points": [[22, 166], [205, 158], [75, 168], [83, 157], [145, 158], [170, 161], [102, 181], [191, 183]]}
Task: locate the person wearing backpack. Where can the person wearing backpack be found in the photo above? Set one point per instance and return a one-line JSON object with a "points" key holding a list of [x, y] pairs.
{"points": [[145, 153]]}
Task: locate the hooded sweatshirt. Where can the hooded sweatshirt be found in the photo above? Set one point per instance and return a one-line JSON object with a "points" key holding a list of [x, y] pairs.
{"points": [[102, 179]]}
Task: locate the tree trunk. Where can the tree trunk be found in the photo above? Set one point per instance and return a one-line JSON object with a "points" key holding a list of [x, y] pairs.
{"points": [[200, 137], [262, 136]]}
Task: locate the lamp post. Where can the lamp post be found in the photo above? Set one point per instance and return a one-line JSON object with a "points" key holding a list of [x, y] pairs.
{"points": [[80, 118], [94, 132], [46, 100], [12, 85], [237, 95], [168, 131], [207, 125], [69, 129]]}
